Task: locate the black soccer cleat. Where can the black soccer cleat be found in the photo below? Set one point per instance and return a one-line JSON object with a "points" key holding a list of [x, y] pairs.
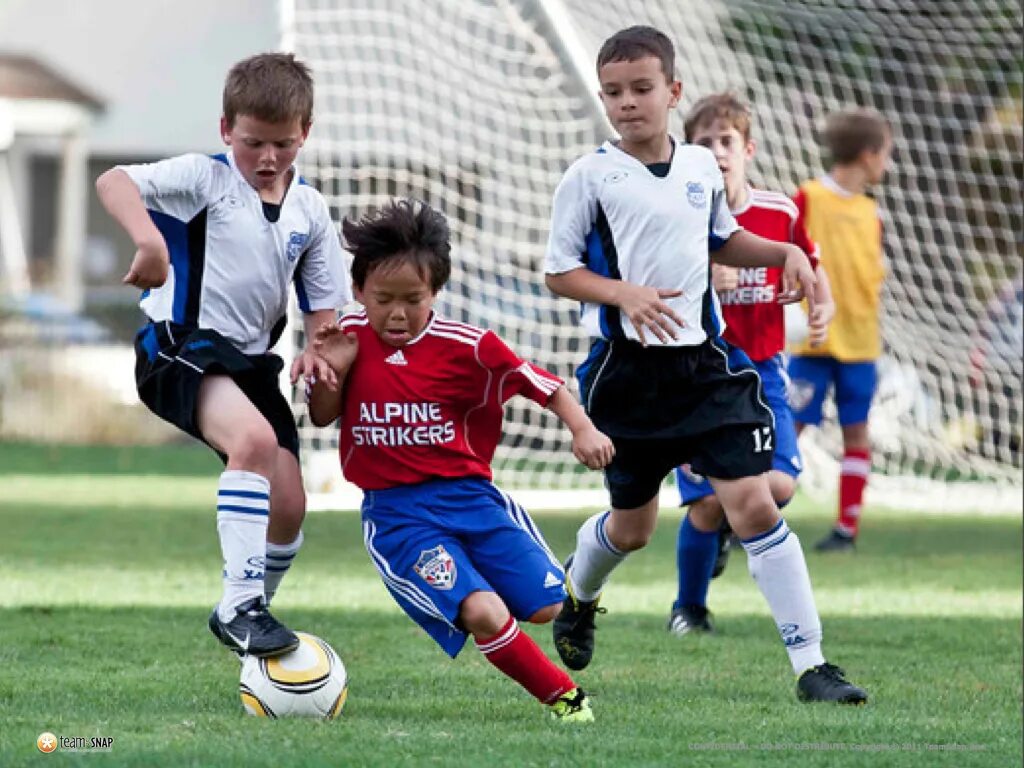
{"points": [[254, 631], [573, 628], [690, 618], [836, 541], [827, 683], [726, 540]]}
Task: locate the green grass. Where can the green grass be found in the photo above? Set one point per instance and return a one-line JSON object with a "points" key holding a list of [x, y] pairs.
{"points": [[109, 566]]}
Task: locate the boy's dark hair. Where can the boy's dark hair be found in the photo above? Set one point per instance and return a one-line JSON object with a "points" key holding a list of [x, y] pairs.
{"points": [[272, 87], [638, 43], [404, 231], [718, 106], [852, 131]]}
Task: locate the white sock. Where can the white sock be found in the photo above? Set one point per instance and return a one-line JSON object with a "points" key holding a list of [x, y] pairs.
{"points": [[279, 560], [777, 564], [594, 559], [243, 509]]}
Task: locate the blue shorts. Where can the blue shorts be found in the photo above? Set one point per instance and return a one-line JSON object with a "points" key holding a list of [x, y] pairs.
{"points": [[437, 542], [811, 377], [774, 384]]}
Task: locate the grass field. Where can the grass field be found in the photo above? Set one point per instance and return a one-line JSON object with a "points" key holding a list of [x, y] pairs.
{"points": [[109, 567]]}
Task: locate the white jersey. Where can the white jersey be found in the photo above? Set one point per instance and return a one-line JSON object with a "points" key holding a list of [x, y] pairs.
{"points": [[230, 265], [612, 215]]}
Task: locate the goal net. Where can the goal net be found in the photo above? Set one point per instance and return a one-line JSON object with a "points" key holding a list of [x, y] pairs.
{"points": [[478, 106]]}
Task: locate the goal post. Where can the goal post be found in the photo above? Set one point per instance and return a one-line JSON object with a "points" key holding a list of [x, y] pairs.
{"points": [[478, 106]]}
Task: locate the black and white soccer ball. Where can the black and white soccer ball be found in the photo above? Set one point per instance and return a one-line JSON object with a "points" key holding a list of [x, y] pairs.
{"points": [[310, 681]]}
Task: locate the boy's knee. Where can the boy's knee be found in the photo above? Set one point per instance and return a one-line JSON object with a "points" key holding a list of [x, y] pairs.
{"points": [[631, 540], [783, 488], [483, 614], [254, 446], [546, 614], [706, 514]]}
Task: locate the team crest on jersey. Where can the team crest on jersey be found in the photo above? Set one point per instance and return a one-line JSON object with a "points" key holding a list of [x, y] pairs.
{"points": [[296, 245], [615, 177], [695, 194], [436, 567]]}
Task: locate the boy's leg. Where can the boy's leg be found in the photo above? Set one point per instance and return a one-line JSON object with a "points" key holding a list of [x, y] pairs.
{"points": [[287, 510], [696, 554], [777, 564], [498, 637], [230, 423], [855, 388]]}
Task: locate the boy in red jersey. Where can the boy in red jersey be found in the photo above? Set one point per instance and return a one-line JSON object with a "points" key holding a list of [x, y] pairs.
{"points": [[421, 402], [755, 324], [844, 221]]}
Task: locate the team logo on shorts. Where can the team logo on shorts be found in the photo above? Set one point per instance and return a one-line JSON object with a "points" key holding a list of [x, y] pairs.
{"points": [[799, 393], [296, 245], [695, 194], [690, 475], [436, 567]]}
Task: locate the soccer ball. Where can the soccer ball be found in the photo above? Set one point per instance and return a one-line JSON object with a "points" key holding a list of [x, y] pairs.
{"points": [[310, 681]]}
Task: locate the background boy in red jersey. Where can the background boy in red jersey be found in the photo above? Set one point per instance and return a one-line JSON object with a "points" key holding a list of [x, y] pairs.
{"points": [[755, 324], [421, 403], [844, 222]]}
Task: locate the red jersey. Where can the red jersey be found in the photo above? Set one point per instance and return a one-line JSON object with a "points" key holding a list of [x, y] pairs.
{"points": [[753, 316], [432, 408]]}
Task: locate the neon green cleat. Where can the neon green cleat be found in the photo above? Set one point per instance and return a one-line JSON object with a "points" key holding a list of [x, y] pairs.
{"points": [[572, 707]]}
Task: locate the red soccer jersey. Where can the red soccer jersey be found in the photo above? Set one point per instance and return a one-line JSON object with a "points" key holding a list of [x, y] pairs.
{"points": [[432, 408], [754, 318]]}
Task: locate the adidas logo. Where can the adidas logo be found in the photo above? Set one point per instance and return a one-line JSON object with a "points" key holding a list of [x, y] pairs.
{"points": [[396, 358], [551, 580]]}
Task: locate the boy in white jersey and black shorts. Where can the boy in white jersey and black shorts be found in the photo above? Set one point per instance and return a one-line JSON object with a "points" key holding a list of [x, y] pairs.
{"points": [[219, 239], [632, 227], [421, 402]]}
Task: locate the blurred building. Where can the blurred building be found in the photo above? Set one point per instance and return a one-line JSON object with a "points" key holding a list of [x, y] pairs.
{"points": [[89, 85]]}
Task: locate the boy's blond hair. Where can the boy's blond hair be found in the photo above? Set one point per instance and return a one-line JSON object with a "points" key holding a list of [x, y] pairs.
{"points": [[718, 106], [852, 131], [272, 87]]}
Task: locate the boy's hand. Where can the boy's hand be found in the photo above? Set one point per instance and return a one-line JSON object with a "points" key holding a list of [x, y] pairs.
{"points": [[313, 368], [592, 448], [817, 322], [724, 278], [646, 311], [798, 279], [338, 349], [150, 265]]}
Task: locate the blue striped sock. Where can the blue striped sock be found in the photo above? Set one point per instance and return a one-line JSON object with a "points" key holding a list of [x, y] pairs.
{"points": [[695, 559]]}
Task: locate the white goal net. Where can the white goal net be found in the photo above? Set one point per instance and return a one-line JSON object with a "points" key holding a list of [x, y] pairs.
{"points": [[478, 106]]}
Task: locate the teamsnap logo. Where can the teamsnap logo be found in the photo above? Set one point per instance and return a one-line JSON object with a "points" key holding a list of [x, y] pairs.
{"points": [[695, 194], [437, 568], [296, 245]]}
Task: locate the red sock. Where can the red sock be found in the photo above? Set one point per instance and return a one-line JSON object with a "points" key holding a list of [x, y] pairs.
{"points": [[515, 654], [853, 478]]}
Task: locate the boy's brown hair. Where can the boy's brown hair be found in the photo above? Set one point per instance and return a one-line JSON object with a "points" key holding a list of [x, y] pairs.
{"points": [[718, 106], [272, 87], [852, 131], [637, 43]]}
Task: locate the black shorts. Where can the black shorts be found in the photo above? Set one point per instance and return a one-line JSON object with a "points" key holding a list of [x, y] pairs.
{"points": [[666, 406], [171, 360]]}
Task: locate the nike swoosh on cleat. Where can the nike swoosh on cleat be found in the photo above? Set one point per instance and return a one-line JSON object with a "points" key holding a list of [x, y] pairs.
{"points": [[243, 644]]}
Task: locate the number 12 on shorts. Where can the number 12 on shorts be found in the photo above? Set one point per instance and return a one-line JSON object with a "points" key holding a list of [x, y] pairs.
{"points": [[762, 439]]}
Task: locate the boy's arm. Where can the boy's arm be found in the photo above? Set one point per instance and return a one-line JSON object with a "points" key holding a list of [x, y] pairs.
{"points": [[642, 304], [590, 446], [745, 249], [309, 365], [824, 311], [121, 198], [338, 350]]}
